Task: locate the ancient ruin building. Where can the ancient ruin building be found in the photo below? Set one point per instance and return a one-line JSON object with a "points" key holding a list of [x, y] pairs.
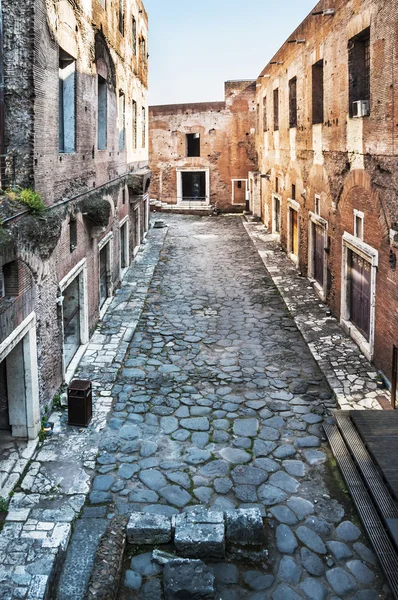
{"points": [[74, 129], [201, 154], [327, 140]]}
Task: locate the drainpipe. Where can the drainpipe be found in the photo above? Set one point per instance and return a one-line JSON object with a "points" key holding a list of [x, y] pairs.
{"points": [[2, 159]]}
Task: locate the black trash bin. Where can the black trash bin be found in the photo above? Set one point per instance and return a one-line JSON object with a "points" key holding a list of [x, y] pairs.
{"points": [[80, 403]]}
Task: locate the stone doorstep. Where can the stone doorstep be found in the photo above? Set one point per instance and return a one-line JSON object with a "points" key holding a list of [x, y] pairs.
{"points": [[199, 533]]}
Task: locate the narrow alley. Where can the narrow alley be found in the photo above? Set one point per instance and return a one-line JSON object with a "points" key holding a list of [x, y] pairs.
{"points": [[220, 403]]}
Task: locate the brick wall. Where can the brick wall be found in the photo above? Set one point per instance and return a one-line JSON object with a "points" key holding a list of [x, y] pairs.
{"points": [[226, 143], [351, 163], [35, 32]]}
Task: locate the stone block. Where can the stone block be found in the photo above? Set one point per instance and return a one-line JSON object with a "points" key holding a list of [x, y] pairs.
{"points": [[144, 528], [244, 527], [200, 533], [188, 579]]}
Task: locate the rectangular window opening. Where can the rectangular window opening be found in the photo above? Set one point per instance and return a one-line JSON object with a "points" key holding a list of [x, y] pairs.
{"points": [[293, 103], [121, 16], [72, 234], [134, 36], [193, 144], [276, 109], [134, 123], [317, 93], [122, 120], [265, 123], [358, 226], [277, 185], [102, 113], [317, 205], [143, 127], [359, 74], [67, 103], [293, 192]]}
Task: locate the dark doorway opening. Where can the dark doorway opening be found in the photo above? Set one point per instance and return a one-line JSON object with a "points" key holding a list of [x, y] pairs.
{"points": [[319, 253], [194, 186], [4, 414], [104, 274], [71, 317]]}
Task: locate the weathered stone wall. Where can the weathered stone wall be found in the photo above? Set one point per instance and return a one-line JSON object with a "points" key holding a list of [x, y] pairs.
{"points": [[350, 162], [226, 143]]}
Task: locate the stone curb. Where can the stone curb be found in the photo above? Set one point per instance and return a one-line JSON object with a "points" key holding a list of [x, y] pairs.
{"points": [[106, 573]]}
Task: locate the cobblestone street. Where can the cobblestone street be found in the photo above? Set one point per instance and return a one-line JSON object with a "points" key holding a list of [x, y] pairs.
{"points": [[220, 403], [205, 393]]}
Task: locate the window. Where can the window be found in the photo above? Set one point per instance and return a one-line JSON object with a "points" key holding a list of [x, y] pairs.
{"points": [[359, 72], [134, 123], [276, 109], [317, 92], [258, 118], [134, 33], [293, 102], [265, 126], [123, 196], [193, 144], [66, 103], [121, 16], [239, 185], [11, 279], [277, 185], [317, 204], [143, 127], [122, 117], [143, 53], [293, 192], [358, 224], [72, 234], [102, 113]]}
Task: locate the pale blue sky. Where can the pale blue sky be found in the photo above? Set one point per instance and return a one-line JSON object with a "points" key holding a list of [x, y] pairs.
{"points": [[195, 46]]}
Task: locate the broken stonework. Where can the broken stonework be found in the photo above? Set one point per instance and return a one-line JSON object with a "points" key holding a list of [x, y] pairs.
{"points": [[145, 528], [244, 527], [199, 534], [188, 579]]}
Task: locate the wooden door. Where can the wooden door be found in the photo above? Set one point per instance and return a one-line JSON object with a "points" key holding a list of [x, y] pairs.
{"points": [[319, 253], [360, 272], [294, 232]]}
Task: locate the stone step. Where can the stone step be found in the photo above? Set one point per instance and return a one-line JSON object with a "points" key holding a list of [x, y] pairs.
{"points": [[79, 559]]}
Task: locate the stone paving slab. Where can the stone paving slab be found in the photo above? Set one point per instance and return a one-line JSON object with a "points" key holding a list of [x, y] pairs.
{"points": [[57, 480], [348, 372]]}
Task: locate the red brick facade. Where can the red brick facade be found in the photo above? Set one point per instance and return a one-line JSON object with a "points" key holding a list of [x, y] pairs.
{"points": [[343, 166], [226, 131], [98, 187]]}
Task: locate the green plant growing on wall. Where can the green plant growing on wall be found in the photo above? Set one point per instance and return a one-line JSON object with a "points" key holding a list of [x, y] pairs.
{"points": [[33, 201]]}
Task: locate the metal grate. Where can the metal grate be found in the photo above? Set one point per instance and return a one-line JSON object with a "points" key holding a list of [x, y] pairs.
{"points": [[372, 523], [370, 473]]}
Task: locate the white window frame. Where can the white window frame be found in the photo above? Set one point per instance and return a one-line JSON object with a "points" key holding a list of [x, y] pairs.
{"points": [[124, 222], [108, 239], [233, 191], [194, 204], [371, 255], [358, 214], [80, 270], [315, 220], [275, 197], [23, 387], [294, 205]]}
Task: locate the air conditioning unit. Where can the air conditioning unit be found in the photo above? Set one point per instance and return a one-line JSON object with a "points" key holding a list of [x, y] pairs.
{"points": [[360, 108]]}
